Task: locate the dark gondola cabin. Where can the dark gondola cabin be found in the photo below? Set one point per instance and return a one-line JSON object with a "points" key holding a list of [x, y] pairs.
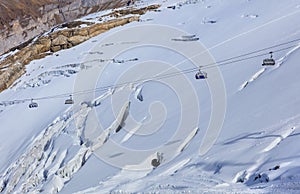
{"points": [[270, 61], [201, 75], [69, 101], [33, 104]]}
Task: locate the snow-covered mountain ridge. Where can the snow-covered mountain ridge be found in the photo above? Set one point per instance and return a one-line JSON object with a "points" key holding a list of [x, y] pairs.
{"points": [[142, 123]]}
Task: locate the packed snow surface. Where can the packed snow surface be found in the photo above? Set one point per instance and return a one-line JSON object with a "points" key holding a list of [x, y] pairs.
{"points": [[137, 105]]}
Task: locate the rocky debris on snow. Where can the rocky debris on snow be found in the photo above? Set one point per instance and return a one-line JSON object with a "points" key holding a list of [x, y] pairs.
{"points": [[157, 161], [171, 7], [242, 177], [186, 38], [206, 20], [134, 11], [258, 178], [275, 168], [183, 3], [252, 16]]}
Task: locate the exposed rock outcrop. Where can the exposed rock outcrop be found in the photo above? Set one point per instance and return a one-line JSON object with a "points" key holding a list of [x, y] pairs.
{"points": [[69, 35], [21, 20]]}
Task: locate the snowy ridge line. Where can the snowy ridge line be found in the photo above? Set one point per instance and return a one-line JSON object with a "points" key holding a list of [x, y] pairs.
{"points": [[283, 59], [279, 62], [267, 140], [252, 79], [279, 139], [253, 175], [115, 127], [139, 96], [272, 132], [131, 133]]}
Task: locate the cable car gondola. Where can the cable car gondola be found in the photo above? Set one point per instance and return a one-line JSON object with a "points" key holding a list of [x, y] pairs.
{"points": [[70, 100], [269, 62], [33, 104], [201, 74]]}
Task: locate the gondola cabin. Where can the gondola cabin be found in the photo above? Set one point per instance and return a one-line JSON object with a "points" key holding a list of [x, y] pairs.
{"points": [[33, 104], [69, 101], [268, 62], [201, 75]]}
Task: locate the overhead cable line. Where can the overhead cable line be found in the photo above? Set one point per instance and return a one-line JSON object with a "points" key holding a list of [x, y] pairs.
{"points": [[224, 62]]}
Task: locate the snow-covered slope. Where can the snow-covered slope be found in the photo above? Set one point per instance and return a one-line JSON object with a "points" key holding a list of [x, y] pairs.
{"points": [[137, 103]]}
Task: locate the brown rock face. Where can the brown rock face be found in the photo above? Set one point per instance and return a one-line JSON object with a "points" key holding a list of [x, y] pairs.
{"points": [[21, 20], [43, 44], [60, 40], [69, 35], [75, 40]]}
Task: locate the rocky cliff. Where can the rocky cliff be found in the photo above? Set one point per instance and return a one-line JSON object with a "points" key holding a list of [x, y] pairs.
{"points": [[21, 20]]}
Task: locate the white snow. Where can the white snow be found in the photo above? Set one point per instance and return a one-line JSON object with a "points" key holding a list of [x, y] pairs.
{"points": [[106, 141]]}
